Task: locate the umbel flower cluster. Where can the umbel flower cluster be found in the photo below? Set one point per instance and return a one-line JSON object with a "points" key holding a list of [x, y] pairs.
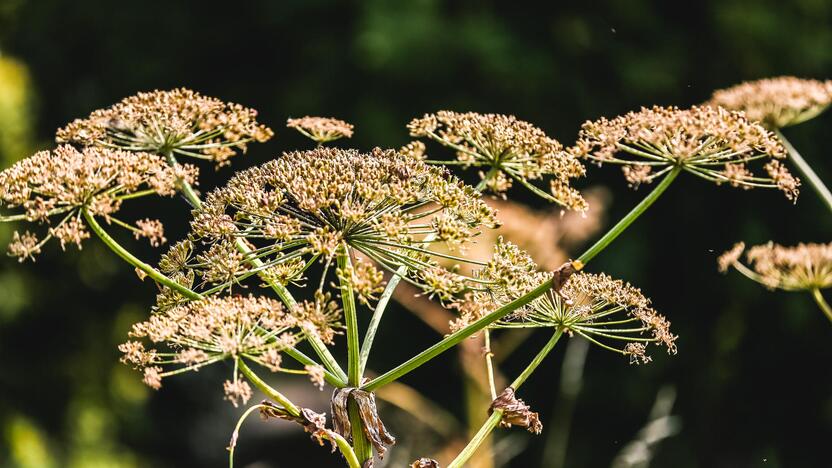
{"points": [[506, 150], [53, 187], [321, 129], [179, 121], [710, 142], [777, 102], [605, 311], [309, 206], [803, 267], [193, 335]]}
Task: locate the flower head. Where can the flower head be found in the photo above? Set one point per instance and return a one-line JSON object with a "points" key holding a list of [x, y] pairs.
{"points": [[321, 129], [190, 336], [56, 185], [710, 142], [777, 102], [508, 150], [803, 267], [180, 121], [605, 311], [383, 208]]}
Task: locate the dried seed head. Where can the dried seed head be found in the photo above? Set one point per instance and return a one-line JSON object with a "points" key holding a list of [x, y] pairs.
{"points": [[711, 142], [777, 102], [321, 129], [516, 412], [190, 336], [391, 209], [593, 306], [55, 185], [179, 121], [510, 149], [803, 267]]}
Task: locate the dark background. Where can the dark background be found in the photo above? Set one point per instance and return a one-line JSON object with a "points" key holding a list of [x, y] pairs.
{"points": [[753, 370]]}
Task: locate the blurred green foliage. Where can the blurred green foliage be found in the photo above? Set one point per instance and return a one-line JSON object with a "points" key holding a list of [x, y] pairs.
{"points": [[753, 380]]}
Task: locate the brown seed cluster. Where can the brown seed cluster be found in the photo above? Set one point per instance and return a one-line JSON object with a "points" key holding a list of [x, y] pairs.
{"points": [[180, 121], [190, 336], [55, 185], [595, 306], [777, 102], [710, 142], [321, 129], [313, 205], [799, 268], [508, 150]]}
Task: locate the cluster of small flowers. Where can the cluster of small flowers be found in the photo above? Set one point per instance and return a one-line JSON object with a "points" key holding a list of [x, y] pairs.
{"points": [[710, 142], [179, 121], [799, 268], [777, 102], [321, 129], [190, 336], [387, 206], [508, 148], [59, 183], [594, 306]]}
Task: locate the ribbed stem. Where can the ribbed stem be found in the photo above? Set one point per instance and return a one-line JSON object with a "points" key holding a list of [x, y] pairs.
{"points": [[807, 171]]}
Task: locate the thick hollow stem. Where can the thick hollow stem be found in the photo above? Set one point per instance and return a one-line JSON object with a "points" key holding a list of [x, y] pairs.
{"points": [[497, 415], [824, 306], [807, 171], [603, 242], [131, 259], [350, 317], [362, 447], [267, 389]]}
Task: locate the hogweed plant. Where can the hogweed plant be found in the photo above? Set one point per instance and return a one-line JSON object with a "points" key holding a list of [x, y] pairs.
{"points": [[306, 250], [804, 267]]}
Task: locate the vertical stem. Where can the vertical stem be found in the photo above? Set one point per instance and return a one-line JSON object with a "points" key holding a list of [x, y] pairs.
{"points": [[807, 171], [131, 259], [497, 415], [363, 449], [631, 216], [350, 317], [489, 363], [267, 389], [824, 306]]}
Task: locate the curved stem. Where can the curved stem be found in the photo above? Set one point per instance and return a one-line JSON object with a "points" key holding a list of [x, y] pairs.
{"points": [[267, 389], [131, 259], [603, 242], [807, 171], [824, 306], [497, 415]]}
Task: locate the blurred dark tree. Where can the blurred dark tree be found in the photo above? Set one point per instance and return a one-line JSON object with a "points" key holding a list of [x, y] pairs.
{"points": [[753, 374]]}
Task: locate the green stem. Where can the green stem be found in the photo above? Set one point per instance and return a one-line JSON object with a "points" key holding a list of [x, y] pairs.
{"points": [[350, 317], [807, 171], [185, 187], [298, 356], [497, 415], [131, 259], [372, 328], [363, 449], [267, 389], [603, 242], [824, 306]]}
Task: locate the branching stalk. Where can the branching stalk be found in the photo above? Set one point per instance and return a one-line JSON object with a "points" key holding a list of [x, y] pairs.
{"points": [[824, 306], [807, 171]]}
